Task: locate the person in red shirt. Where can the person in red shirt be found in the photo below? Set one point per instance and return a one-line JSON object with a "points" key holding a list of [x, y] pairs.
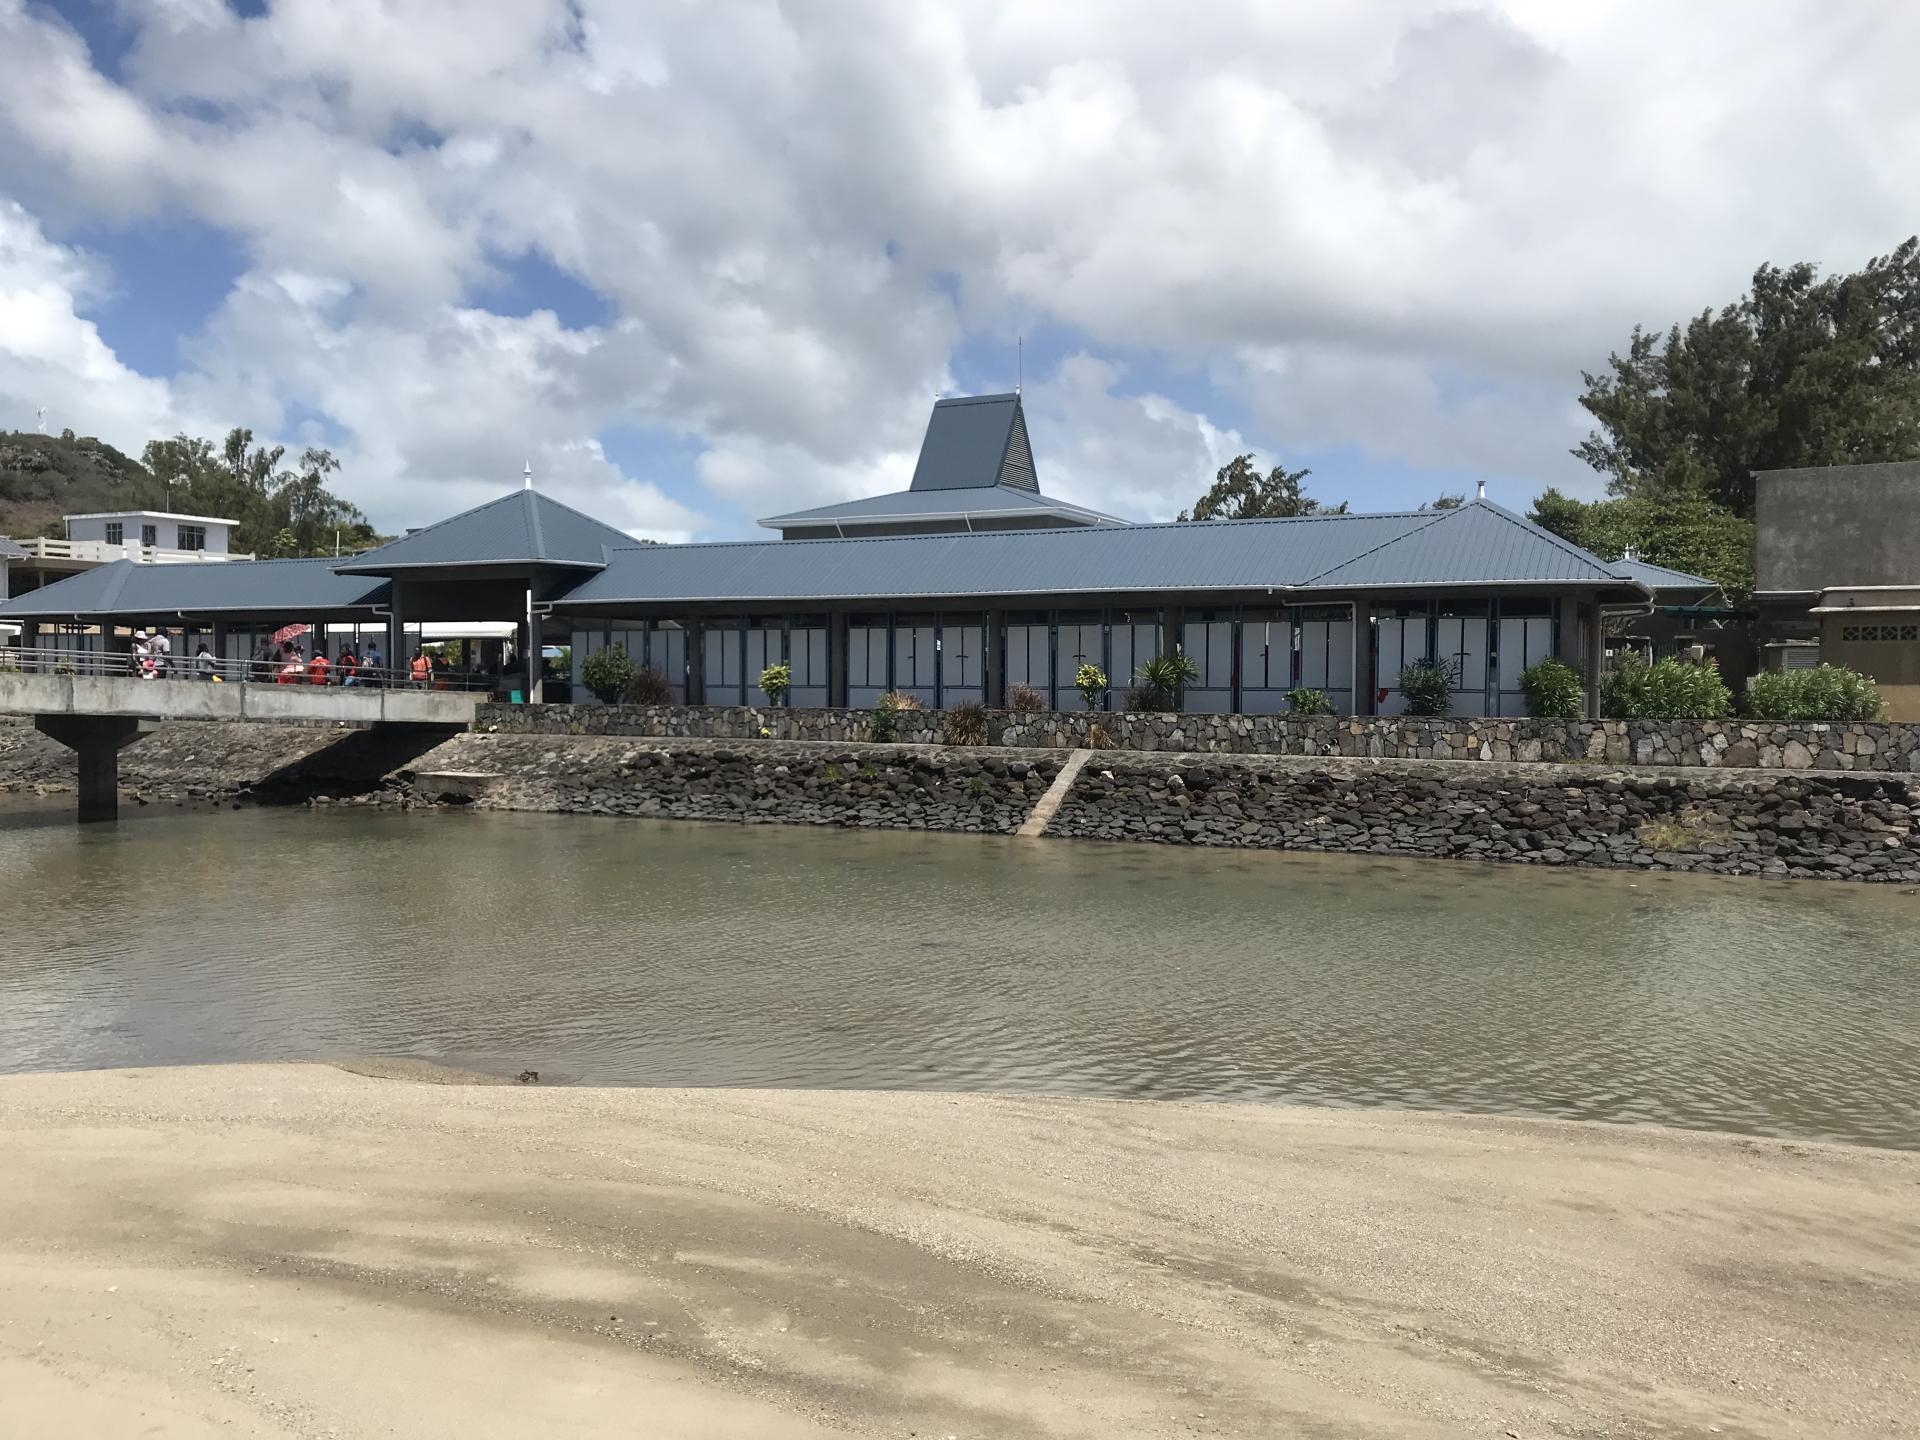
{"points": [[318, 667]]}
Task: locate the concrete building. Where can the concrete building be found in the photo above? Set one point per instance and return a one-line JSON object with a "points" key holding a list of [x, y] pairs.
{"points": [[1837, 573], [951, 604]]}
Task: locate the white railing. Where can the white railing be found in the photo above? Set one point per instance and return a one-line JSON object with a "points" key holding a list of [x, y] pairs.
{"points": [[99, 552]]}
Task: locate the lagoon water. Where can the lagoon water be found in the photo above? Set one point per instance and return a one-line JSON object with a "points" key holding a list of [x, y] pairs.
{"points": [[625, 952]]}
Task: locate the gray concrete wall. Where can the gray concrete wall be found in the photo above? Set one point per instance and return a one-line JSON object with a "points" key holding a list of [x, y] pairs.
{"points": [[1837, 525], [22, 694]]}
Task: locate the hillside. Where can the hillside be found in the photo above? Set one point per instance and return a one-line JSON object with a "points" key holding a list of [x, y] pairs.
{"points": [[43, 477]]}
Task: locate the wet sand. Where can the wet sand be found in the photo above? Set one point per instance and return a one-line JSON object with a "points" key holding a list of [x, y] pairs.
{"points": [[299, 1251]]}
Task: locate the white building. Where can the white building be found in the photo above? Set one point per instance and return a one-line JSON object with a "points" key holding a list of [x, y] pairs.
{"points": [[154, 535]]}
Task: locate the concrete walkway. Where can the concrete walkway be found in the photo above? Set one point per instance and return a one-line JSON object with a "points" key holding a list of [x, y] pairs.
{"points": [[1049, 803]]}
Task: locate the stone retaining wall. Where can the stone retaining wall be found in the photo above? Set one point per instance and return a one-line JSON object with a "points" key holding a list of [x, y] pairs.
{"points": [[1854, 747], [984, 791], [1732, 822]]}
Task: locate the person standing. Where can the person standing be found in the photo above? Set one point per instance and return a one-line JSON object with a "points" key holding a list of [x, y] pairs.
{"points": [[203, 663], [142, 656], [319, 667], [419, 669], [372, 662], [348, 665], [162, 651]]}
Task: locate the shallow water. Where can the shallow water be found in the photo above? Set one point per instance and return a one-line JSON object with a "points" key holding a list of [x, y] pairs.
{"points": [[625, 952]]}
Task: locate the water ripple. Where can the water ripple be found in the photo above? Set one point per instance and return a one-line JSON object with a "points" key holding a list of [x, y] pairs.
{"points": [[620, 952]]}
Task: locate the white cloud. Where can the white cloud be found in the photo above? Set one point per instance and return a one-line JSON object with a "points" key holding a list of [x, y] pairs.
{"points": [[1400, 226], [51, 357]]}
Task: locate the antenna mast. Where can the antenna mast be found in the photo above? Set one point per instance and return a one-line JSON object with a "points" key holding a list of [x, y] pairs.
{"points": [[1019, 361]]}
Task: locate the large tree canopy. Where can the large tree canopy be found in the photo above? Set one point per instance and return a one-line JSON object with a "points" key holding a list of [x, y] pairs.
{"points": [[280, 512], [1799, 371], [1681, 530], [1241, 492]]}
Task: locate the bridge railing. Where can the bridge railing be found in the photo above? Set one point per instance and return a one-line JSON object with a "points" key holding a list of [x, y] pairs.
{"points": [[174, 668]]}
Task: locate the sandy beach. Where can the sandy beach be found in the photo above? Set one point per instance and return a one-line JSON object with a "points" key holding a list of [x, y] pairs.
{"points": [[301, 1251]]}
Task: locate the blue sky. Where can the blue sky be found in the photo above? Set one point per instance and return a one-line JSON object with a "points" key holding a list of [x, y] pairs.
{"points": [[698, 273]]}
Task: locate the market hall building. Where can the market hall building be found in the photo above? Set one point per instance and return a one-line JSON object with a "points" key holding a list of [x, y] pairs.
{"points": [[968, 582]]}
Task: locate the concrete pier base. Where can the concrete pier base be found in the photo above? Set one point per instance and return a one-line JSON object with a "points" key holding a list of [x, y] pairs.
{"points": [[98, 741]]}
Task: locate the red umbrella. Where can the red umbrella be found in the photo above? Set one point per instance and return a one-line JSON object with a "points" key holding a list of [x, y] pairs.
{"points": [[289, 632]]}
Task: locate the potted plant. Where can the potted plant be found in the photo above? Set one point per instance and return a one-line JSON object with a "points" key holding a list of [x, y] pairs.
{"points": [[775, 682]]}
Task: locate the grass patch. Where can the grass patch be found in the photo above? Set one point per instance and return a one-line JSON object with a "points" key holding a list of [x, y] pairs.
{"points": [[1682, 830]]}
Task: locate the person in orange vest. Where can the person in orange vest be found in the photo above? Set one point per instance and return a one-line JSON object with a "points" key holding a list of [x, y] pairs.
{"points": [[318, 667], [420, 668]]}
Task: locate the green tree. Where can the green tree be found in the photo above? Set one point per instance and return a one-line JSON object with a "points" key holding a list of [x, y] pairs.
{"points": [[1445, 502], [1562, 514], [313, 514], [278, 512], [1679, 529], [1799, 371], [1241, 492]]}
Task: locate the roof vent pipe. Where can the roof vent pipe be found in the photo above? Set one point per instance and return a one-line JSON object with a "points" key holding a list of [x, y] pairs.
{"points": [[1480, 492]]}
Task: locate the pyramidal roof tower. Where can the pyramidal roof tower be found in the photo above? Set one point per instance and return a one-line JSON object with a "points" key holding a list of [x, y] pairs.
{"points": [[975, 472]]}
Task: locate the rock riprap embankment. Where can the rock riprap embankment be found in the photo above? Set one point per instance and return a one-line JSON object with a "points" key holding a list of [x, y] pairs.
{"points": [[872, 786], [1840, 826]]}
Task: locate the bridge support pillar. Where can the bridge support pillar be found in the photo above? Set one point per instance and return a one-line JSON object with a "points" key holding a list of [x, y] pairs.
{"points": [[98, 741]]}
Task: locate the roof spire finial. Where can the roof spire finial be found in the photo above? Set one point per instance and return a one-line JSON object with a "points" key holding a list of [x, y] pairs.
{"points": [[527, 475], [1019, 361]]}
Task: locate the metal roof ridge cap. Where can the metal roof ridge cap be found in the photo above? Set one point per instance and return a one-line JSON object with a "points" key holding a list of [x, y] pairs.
{"points": [[111, 595], [1438, 516], [1559, 540], [535, 532]]}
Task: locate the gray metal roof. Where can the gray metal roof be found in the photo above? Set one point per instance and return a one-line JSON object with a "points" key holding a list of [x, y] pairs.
{"points": [[973, 442], [10, 551], [1476, 545], [996, 501], [293, 589], [521, 528], [1661, 577]]}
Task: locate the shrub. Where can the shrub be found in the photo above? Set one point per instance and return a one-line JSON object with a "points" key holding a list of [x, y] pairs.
{"points": [[885, 724], [607, 673], [1305, 701], [1139, 698], [977, 786], [775, 681], [1163, 675], [1664, 690], [649, 686], [1824, 693], [1025, 697], [1427, 687], [1098, 738], [1554, 691], [1091, 682], [966, 724]]}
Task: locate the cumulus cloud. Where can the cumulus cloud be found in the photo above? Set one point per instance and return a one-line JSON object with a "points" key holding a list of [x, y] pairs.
{"points": [[50, 357], [1397, 227]]}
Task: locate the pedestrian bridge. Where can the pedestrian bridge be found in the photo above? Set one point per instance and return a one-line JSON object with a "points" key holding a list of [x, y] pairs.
{"points": [[102, 695], [97, 716]]}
